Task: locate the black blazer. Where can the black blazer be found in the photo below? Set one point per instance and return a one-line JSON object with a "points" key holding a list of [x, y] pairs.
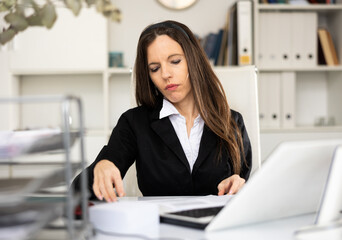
{"points": [[162, 167]]}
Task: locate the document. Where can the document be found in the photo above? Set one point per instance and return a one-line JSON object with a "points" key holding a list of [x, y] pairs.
{"points": [[172, 204]]}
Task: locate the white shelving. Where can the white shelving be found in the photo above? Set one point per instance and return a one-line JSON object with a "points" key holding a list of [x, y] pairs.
{"points": [[317, 87]]}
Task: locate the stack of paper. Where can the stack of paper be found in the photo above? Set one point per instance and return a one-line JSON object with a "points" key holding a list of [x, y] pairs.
{"points": [[16, 143], [172, 204]]}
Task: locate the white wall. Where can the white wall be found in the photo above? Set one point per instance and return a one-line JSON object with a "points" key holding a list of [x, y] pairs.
{"points": [[203, 17], [269, 141]]}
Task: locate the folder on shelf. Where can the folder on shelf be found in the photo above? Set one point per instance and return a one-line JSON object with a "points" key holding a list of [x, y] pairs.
{"points": [[288, 99], [269, 32], [287, 39], [269, 100], [304, 39], [284, 42], [328, 47], [244, 32], [261, 57]]}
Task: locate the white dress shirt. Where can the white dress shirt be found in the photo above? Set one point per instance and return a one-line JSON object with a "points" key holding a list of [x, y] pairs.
{"points": [[189, 144]]}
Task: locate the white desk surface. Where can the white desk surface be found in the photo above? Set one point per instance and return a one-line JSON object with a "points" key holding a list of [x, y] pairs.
{"points": [[282, 229]]}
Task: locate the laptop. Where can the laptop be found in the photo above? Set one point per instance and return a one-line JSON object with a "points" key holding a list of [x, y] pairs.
{"points": [[289, 183]]}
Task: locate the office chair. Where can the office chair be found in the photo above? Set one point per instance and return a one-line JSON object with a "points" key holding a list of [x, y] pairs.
{"points": [[240, 86]]}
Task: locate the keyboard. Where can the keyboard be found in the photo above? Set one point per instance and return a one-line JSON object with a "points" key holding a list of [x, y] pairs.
{"points": [[198, 213]]}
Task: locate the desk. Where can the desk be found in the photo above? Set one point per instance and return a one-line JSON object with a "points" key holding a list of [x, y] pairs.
{"points": [[281, 229]]}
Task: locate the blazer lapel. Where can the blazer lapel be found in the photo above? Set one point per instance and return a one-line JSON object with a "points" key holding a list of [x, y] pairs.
{"points": [[207, 145], [163, 127]]}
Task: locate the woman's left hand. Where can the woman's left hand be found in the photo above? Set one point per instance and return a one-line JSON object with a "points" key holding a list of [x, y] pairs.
{"points": [[230, 185]]}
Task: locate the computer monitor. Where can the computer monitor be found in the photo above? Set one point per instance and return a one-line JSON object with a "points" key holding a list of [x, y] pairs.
{"points": [[331, 202], [328, 223]]}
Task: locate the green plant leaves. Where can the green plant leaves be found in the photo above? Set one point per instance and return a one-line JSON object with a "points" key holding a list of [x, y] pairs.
{"points": [[90, 2], [74, 5], [6, 5], [17, 21], [108, 10], [7, 35], [48, 15], [45, 15], [34, 20]]}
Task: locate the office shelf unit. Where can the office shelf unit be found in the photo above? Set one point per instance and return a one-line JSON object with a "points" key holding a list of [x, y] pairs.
{"points": [[316, 89], [29, 204]]}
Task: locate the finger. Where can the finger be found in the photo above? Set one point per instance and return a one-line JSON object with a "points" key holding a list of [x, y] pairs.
{"points": [[102, 185], [96, 191], [220, 191], [236, 185], [104, 192], [223, 186], [96, 184], [119, 185], [110, 194], [96, 188], [220, 188]]}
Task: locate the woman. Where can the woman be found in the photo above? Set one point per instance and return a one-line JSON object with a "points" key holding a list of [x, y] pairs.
{"points": [[183, 136]]}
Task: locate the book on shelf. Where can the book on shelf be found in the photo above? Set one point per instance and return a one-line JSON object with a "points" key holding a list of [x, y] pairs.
{"points": [[327, 47], [217, 48], [209, 45], [223, 54], [232, 44]]}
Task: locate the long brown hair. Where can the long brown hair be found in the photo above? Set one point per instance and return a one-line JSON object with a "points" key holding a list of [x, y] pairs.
{"points": [[210, 98]]}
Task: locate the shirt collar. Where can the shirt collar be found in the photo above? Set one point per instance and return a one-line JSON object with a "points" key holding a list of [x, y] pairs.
{"points": [[167, 109]]}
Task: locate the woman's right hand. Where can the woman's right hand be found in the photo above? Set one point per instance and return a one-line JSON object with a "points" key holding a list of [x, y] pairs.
{"points": [[107, 175]]}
